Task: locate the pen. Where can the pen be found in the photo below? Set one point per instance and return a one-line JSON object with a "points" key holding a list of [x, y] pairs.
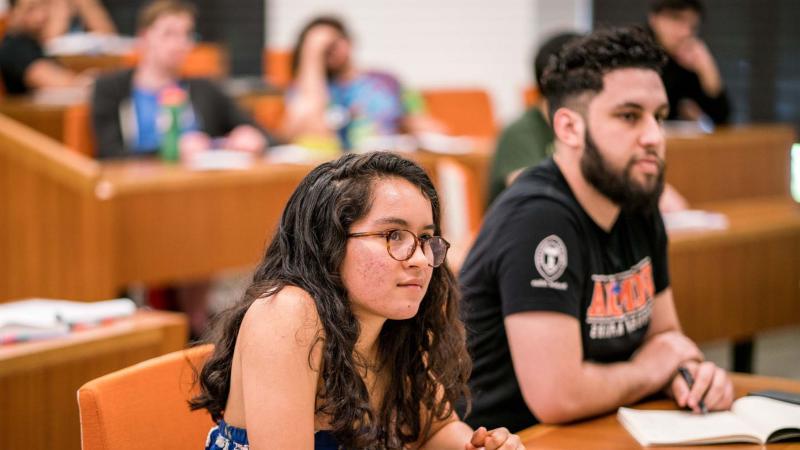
{"points": [[687, 377]]}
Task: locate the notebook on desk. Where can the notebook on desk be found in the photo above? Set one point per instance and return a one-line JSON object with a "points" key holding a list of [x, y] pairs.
{"points": [[752, 419]]}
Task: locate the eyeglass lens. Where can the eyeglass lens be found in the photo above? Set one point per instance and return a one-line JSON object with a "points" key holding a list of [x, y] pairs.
{"points": [[402, 244]]}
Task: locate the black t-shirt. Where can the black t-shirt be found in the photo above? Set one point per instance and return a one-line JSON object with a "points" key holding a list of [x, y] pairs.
{"points": [[538, 250], [681, 84], [17, 53]]}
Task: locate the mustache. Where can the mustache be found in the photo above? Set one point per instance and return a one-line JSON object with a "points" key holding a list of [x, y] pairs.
{"points": [[651, 154]]}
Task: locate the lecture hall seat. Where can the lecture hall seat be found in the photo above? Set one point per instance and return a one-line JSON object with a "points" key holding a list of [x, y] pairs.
{"points": [[78, 133], [268, 112], [144, 406], [206, 59], [465, 112], [531, 96], [277, 67]]}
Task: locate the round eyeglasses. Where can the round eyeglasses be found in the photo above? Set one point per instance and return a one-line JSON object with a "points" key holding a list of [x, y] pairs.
{"points": [[401, 245]]}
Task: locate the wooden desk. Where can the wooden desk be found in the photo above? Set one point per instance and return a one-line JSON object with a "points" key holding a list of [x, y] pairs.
{"points": [[170, 224], [68, 119], [98, 63], [39, 380], [46, 118], [206, 59], [734, 283], [76, 229], [607, 433], [736, 162]]}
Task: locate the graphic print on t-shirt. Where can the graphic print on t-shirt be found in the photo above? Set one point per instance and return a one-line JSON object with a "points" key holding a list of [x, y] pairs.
{"points": [[550, 260], [622, 302]]}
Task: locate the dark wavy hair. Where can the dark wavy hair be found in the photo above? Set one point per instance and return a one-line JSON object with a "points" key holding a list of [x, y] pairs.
{"points": [[580, 66], [297, 52], [550, 49], [425, 356]]}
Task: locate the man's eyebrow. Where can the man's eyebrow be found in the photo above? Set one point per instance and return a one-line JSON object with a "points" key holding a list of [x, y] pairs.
{"points": [[633, 105]]}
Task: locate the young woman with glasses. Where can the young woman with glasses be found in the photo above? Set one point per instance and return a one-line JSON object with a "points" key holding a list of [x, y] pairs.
{"points": [[349, 335]]}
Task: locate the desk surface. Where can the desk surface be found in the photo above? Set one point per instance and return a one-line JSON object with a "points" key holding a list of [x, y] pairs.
{"points": [[164, 328], [607, 433], [763, 216]]}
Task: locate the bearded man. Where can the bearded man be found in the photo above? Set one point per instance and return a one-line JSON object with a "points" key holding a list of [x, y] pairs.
{"points": [[567, 299]]}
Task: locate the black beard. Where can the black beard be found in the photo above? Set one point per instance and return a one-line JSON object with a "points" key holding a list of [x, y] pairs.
{"points": [[620, 189]]}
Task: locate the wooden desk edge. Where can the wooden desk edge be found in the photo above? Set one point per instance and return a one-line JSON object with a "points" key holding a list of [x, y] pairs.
{"points": [[743, 384], [173, 328]]}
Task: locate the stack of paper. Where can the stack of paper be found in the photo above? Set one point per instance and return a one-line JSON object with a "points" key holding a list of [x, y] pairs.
{"points": [[39, 318]]}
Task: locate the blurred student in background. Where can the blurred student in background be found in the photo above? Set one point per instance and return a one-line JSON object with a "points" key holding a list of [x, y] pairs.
{"points": [[529, 139], [691, 76], [335, 103], [130, 113], [67, 16], [23, 65], [127, 110]]}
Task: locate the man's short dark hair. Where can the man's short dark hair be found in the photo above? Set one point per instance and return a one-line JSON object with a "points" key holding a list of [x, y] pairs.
{"points": [[550, 48], [657, 6], [580, 66]]}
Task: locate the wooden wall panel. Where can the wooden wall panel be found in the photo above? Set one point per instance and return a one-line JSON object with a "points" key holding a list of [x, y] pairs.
{"points": [[54, 235]]}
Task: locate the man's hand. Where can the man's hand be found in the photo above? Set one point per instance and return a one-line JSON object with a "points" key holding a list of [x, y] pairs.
{"points": [[661, 355], [193, 143], [246, 138], [694, 55], [711, 385], [497, 439], [319, 40]]}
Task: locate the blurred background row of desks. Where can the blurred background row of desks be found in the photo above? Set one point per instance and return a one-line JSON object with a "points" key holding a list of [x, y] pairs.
{"points": [[76, 228], [71, 227]]}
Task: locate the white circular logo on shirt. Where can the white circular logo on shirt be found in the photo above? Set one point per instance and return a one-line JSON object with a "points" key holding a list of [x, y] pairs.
{"points": [[551, 258]]}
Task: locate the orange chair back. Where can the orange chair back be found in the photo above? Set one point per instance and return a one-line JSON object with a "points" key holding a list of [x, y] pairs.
{"points": [[531, 96], [3, 24], [144, 406], [78, 133], [277, 66], [465, 112], [268, 111], [206, 60]]}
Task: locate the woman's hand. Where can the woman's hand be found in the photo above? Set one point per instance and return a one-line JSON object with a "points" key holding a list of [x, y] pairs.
{"points": [[497, 439]]}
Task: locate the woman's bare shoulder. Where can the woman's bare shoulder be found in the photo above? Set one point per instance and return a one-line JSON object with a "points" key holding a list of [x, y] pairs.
{"points": [[289, 312]]}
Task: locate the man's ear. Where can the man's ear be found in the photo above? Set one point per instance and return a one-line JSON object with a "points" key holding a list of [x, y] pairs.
{"points": [[569, 127]]}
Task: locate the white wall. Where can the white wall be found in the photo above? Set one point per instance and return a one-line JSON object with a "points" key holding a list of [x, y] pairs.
{"points": [[439, 43]]}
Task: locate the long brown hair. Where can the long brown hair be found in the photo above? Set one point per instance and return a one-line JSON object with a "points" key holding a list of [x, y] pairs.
{"points": [[425, 356]]}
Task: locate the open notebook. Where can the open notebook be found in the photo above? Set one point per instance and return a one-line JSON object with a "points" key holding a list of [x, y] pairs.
{"points": [[751, 419]]}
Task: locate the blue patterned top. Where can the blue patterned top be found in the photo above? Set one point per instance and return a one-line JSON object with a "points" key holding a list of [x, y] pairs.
{"points": [[226, 437]]}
